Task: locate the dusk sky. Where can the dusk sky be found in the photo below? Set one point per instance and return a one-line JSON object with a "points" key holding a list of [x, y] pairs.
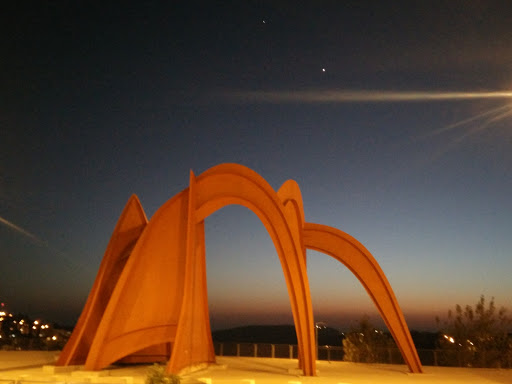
{"points": [[395, 119]]}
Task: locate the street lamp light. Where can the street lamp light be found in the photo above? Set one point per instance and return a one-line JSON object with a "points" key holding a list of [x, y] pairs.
{"points": [[318, 325]]}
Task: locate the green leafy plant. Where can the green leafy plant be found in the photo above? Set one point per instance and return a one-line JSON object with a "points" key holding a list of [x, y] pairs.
{"points": [[157, 375]]}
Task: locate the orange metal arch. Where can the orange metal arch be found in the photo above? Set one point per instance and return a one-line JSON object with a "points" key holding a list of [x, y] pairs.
{"points": [[359, 260], [150, 296], [233, 184]]}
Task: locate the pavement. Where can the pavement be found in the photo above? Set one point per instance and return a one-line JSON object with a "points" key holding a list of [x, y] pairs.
{"points": [[29, 367]]}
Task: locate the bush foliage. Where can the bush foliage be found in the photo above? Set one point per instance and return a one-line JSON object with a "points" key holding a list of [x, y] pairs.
{"points": [[366, 344], [476, 336], [157, 375]]}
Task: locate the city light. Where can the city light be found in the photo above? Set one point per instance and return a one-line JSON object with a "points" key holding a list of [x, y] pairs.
{"points": [[449, 338], [20, 331]]}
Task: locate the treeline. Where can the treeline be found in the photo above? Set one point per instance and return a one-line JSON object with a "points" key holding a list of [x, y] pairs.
{"points": [[473, 336]]}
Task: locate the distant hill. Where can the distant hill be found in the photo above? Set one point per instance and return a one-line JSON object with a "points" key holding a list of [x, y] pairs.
{"points": [[425, 340], [273, 334], [285, 334]]}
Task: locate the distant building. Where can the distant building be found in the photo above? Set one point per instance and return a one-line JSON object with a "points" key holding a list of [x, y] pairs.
{"points": [[19, 332]]}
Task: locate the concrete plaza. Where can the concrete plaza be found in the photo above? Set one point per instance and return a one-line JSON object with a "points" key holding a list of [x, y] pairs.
{"points": [[20, 367]]}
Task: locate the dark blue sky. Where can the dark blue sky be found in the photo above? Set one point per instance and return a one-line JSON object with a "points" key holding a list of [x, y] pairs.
{"points": [[99, 101]]}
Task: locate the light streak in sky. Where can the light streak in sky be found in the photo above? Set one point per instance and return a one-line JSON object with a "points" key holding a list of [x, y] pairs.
{"points": [[22, 231], [459, 130], [482, 121], [357, 96], [454, 134], [468, 127], [72, 264]]}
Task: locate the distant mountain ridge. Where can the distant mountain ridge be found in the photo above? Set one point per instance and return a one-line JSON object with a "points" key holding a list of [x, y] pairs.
{"points": [[272, 334]]}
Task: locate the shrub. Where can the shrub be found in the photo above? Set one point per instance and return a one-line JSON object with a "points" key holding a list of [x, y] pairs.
{"points": [[366, 344], [476, 336], [157, 375]]}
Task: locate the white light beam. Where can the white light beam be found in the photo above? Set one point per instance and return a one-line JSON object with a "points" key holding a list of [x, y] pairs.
{"points": [[355, 96]]}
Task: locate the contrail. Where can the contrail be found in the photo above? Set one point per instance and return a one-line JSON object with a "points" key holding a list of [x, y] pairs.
{"points": [[355, 96], [73, 264], [22, 231]]}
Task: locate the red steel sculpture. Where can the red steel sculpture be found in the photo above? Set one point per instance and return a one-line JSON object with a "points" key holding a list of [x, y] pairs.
{"points": [[149, 300]]}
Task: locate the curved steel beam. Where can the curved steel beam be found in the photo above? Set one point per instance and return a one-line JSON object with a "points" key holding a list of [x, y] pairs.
{"points": [[144, 307], [362, 264], [128, 229], [234, 184]]}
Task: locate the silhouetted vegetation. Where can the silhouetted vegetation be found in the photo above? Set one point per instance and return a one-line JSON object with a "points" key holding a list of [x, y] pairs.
{"points": [[476, 336], [157, 375], [367, 344]]}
